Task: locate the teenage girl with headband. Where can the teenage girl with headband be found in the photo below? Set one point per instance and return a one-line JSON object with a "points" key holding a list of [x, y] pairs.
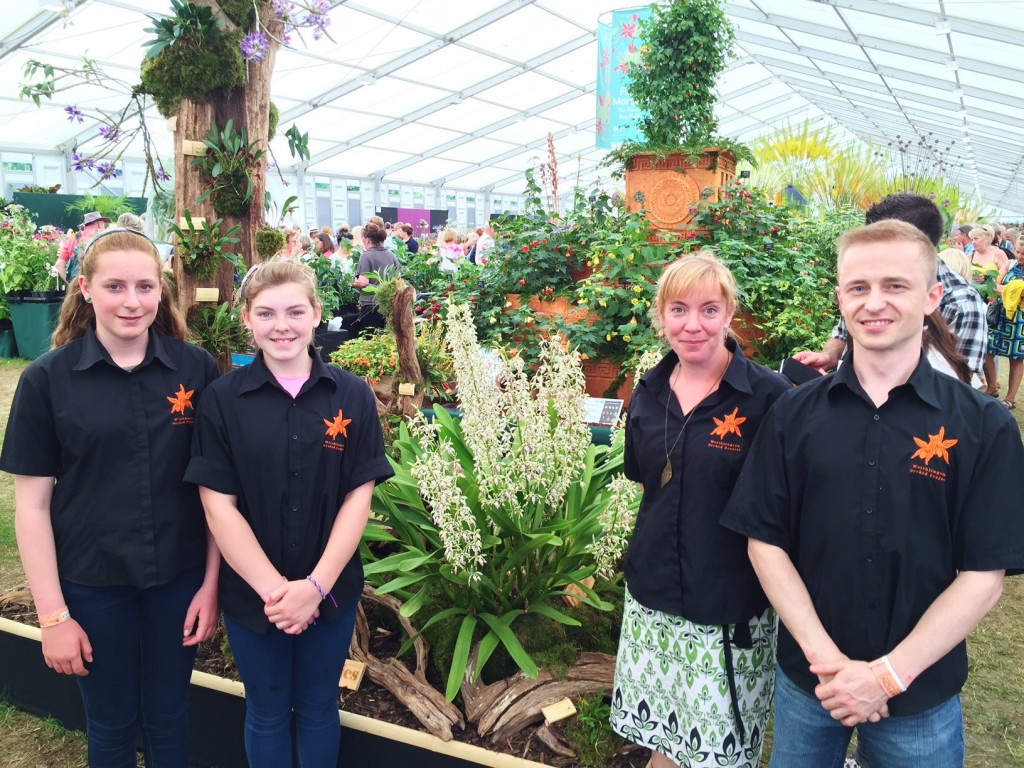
{"points": [[286, 454], [113, 542]]}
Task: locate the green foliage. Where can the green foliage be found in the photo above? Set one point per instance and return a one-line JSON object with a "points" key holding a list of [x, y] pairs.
{"points": [[218, 330], [272, 120], [268, 242], [534, 253], [685, 49], [27, 255], [229, 168], [375, 356], [785, 278], [190, 26], [35, 189], [241, 12], [110, 206], [298, 143], [531, 548], [333, 284], [180, 72], [203, 250], [590, 733]]}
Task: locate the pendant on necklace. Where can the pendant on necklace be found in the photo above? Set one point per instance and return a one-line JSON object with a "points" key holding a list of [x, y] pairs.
{"points": [[666, 473]]}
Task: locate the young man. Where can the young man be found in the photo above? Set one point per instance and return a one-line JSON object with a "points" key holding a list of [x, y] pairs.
{"points": [[404, 233], [875, 504], [961, 305]]}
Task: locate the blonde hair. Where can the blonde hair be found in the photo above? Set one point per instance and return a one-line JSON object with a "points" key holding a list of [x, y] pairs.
{"points": [[271, 274], [985, 232], [959, 262], [891, 231], [695, 271], [448, 236], [76, 313]]}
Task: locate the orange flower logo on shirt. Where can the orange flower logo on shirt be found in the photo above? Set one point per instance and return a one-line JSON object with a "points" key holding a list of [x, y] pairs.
{"points": [[337, 426], [181, 400], [936, 447], [728, 424]]}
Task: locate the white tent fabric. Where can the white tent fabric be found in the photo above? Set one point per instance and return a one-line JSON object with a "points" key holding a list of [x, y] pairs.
{"points": [[453, 95]]}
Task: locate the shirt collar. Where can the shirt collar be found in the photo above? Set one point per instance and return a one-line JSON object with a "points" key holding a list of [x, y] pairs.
{"points": [[94, 352], [736, 373], [257, 374], [921, 381]]}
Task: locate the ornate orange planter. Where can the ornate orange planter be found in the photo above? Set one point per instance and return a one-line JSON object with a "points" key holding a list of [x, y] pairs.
{"points": [[671, 185], [601, 375], [558, 306]]}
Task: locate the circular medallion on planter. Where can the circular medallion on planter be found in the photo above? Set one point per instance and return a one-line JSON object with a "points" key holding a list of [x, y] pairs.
{"points": [[669, 199]]}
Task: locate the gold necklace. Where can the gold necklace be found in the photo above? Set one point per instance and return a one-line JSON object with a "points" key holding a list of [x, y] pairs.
{"points": [[666, 473]]}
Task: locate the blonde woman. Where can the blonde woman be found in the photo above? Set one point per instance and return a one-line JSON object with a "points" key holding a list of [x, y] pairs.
{"points": [[696, 660]]}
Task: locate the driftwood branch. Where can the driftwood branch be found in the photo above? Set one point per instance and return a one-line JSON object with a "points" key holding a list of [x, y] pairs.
{"points": [[425, 703], [504, 708]]}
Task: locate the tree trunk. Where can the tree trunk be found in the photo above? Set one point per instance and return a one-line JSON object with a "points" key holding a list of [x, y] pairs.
{"points": [[405, 340], [248, 107]]}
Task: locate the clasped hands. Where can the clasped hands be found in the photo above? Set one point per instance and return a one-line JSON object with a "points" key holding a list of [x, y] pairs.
{"points": [[850, 691], [293, 606]]}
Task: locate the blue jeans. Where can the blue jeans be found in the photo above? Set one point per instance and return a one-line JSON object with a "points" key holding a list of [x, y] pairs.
{"points": [[292, 674], [806, 736], [140, 671]]}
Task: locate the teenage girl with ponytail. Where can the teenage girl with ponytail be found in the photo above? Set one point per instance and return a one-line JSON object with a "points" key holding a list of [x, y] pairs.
{"points": [[113, 542]]}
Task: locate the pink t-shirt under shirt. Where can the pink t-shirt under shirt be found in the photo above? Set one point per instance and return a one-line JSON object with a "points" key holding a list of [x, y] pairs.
{"points": [[292, 384]]}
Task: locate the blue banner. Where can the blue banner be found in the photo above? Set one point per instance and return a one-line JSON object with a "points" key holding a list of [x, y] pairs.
{"points": [[618, 48]]}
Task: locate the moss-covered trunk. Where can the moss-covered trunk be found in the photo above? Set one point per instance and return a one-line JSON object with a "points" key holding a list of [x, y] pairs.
{"points": [[248, 107]]}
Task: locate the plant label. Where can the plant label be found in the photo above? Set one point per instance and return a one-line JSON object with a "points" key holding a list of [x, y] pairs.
{"points": [[172, 124], [193, 148], [407, 388], [198, 223], [352, 675], [572, 599], [207, 294], [558, 711]]}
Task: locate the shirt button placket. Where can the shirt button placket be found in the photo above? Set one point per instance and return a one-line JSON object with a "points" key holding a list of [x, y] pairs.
{"points": [[870, 533]]}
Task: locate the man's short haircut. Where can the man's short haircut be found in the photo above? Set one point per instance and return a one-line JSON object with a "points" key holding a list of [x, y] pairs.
{"points": [[964, 229], [913, 209], [407, 228], [891, 231]]}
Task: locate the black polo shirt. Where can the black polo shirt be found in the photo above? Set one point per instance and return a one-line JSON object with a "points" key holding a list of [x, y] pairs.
{"points": [[118, 443], [680, 560], [879, 508], [290, 463]]}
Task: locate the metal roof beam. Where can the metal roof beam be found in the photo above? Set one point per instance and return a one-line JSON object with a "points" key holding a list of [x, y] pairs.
{"points": [[409, 58], [905, 12], [478, 134], [923, 54], [455, 98], [888, 73]]}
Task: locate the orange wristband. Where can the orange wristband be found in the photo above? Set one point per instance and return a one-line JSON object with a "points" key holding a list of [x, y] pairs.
{"points": [[886, 677], [53, 619]]}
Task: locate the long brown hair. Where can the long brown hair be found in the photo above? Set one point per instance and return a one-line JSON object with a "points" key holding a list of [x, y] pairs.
{"points": [[938, 336], [76, 314]]}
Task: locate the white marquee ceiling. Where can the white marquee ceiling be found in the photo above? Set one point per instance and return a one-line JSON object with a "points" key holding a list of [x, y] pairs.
{"points": [[463, 94]]}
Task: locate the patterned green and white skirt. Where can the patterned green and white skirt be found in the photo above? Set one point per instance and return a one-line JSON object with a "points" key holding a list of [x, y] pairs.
{"points": [[672, 690]]}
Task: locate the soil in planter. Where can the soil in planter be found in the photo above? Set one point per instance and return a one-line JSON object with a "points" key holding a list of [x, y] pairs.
{"points": [[373, 701]]}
